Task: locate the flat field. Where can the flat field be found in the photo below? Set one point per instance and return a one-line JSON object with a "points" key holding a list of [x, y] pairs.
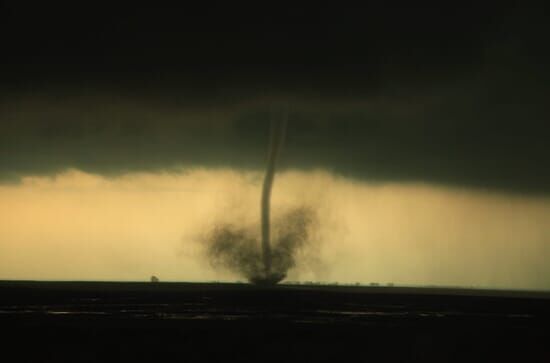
{"points": [[135, 322]]}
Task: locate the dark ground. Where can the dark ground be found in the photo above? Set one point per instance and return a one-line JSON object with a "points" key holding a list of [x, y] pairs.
{"points": [[97, 322]]}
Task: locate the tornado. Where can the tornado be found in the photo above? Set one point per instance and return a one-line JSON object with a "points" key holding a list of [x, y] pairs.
{"points": [[264, 258], [276, 139]]}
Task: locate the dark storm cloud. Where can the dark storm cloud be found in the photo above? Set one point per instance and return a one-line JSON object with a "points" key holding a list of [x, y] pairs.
{"points": [[451, 96]]}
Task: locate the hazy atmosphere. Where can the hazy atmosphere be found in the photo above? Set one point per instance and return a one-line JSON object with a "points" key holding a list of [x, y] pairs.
{"points": [[84, 226], [419, 152]]}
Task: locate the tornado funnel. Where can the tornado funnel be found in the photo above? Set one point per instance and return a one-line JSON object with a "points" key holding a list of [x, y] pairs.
{"points": [[278, 124]]}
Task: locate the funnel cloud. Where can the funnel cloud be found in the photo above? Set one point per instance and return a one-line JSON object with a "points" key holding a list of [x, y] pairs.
{"points": [[277, 135], [236, 248]]}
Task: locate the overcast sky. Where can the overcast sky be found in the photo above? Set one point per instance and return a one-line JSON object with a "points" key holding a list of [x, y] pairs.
{"points": [[454, 96]]}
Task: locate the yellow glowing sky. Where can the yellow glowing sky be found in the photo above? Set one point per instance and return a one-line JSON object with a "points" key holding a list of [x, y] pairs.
{"points": [[78, 226]]}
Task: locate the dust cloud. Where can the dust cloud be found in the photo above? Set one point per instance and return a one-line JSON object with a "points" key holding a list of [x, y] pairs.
{"points": [[236, 248]]}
